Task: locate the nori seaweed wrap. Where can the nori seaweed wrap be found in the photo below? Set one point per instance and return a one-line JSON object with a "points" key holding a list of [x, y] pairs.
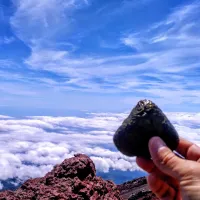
{"points": [[145, 121]]}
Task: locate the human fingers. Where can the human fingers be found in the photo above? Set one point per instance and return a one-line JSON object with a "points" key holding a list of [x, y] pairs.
{"points": [[166, 161], [146, 164], [151, 168], [160, 188], [189, 150]]}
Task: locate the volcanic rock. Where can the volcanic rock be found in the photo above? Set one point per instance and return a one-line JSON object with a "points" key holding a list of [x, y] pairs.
{"points": [[145, 121], [136, 189], [73, 179]]}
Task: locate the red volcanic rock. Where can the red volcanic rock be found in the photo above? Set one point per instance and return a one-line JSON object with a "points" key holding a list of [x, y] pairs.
{"points": [[74, 179]]}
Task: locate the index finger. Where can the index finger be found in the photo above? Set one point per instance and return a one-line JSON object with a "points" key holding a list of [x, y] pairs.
{"points": [[188, 149]]}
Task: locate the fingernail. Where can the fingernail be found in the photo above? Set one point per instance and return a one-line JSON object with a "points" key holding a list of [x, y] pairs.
{"points": [[156, 144]]}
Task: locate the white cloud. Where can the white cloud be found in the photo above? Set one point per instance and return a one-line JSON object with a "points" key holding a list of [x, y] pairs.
{"points": [[180, 29], [9, 163], [46, 18], [132, 41], [6, 63], [86, 2], [82, 71], [127, 6], [1, 186], [31, 146], [16, 89], [85, 67], [182, 13], [7, 40], [175, 43], [5, 117]]}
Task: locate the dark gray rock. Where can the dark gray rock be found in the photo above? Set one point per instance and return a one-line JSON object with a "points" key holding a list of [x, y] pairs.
{"points": [[145, 121]]}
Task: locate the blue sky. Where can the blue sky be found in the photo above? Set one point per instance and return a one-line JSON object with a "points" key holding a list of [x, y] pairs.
{"points": [[98, 55]]}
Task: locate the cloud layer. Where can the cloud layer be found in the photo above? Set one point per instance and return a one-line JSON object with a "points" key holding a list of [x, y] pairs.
{"points": [[31, 146]]}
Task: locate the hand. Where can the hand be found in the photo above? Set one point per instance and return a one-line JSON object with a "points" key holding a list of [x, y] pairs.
{"points": [[171, 177]]}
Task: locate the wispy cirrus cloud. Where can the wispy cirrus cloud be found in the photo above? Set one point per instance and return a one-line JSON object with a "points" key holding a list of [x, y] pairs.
{"points": [[175, 42], [180, 29], [46, 18], [7, 40], [146, 63]]}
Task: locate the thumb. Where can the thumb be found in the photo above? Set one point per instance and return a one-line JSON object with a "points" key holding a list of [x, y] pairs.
{"points": [[166, 161]]}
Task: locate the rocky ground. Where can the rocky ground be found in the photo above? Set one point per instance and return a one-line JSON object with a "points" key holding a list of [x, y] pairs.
{"points": [[75, 179], [136, 189]]}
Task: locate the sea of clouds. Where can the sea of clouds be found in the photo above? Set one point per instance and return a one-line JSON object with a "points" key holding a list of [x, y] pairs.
{"points": [[32, 145]]}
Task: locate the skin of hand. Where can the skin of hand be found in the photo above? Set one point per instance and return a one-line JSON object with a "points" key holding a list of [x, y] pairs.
{"points": [[171, 177]]}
